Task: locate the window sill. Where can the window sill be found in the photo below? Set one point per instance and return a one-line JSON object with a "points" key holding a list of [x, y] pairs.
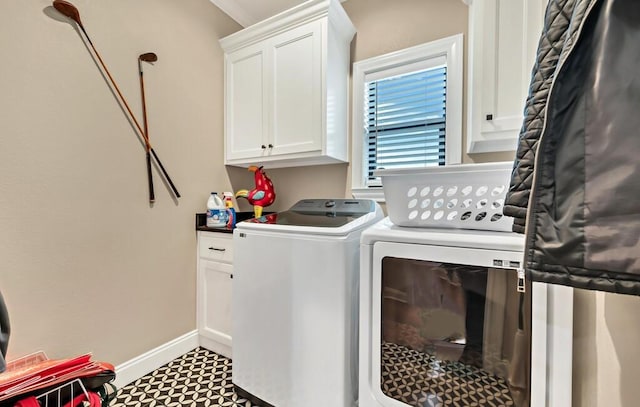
{"points": [[377, 194]]}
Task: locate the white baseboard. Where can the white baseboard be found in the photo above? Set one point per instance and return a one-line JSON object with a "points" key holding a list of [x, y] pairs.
{"points": [[139, 366], [215, 346]]}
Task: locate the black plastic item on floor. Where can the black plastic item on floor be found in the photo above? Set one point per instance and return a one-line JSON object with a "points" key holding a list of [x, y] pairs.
{"points": [[4, 333]]}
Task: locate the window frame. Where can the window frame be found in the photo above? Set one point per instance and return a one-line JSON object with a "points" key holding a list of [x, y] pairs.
{"points": [[396, 63]]}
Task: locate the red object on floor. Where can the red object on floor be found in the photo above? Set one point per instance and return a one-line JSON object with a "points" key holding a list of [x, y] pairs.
{"points": [[44, 373], [94, 400], [28, 402]]}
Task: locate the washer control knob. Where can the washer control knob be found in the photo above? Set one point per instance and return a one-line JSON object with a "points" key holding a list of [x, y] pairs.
{"points": [[330, 204]]}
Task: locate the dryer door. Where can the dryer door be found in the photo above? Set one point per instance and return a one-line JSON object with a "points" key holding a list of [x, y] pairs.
{"points": [[448, 327]]}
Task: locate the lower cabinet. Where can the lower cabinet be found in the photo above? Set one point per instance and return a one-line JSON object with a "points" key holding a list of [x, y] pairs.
{"points": [[215, 276]]}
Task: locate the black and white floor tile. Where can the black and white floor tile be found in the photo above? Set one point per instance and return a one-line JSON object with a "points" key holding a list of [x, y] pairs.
{"points": [[200, 378], [420, 380]]}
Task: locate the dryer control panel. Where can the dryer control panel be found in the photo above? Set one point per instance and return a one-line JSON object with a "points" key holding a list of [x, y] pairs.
{"points": [[345, 207]]}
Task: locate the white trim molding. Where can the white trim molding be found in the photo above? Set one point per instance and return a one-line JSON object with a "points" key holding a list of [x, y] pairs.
{"points": [[141, 365], [294, 17], [448, 50], [240, 11], [377, 194]]}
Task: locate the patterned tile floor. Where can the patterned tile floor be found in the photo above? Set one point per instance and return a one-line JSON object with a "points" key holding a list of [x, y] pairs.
{"points": [[200, 378], [421, 380]]}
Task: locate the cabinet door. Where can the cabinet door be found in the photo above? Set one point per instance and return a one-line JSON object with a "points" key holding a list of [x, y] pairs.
{"points": [[214, 301], [504, 36], [245, 103], [297, 96]]}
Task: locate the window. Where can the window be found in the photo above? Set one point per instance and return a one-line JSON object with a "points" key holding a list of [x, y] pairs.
{"points": [[405, 121], [407, 111]]}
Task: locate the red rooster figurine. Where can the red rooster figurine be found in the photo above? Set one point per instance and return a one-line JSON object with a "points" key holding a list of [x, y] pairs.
{"points": [[262, 195]]}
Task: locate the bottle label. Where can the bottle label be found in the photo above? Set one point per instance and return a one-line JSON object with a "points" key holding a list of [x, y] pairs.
{"points": [[217, 218], [231, 218]]}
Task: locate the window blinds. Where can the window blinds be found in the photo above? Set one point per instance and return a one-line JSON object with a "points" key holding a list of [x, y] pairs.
{"points": [[405, 121]]}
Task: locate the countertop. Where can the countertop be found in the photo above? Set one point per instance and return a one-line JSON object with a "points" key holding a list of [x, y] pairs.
{"points": [[201, 222]]}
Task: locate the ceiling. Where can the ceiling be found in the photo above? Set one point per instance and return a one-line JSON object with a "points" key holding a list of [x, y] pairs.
{"points": [[248, 12]]}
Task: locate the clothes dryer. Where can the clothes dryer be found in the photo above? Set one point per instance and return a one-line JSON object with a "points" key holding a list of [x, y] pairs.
{"points": [[447, 317]]}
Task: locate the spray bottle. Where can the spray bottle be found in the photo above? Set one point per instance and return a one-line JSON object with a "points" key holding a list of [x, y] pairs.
{"points": [[231, 212]]}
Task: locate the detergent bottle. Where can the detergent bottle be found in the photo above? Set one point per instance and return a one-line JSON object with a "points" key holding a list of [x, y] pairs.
{"points": [[231, 211], [216, 212]]}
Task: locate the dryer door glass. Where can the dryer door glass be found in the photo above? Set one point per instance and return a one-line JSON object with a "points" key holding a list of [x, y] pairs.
{"points": [[454, 334]]}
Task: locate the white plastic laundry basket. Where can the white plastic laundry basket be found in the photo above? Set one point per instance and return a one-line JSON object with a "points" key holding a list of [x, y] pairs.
{"points": [[466, 196]]}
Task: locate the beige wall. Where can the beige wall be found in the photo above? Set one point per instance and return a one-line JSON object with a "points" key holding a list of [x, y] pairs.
{"points": [[87, 264], [81, 245], [606, 360]]}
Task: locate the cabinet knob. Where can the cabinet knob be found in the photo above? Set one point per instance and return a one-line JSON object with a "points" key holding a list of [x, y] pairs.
{"points": [[218, 249], [263, 146], [490, 116], [270, 145]]}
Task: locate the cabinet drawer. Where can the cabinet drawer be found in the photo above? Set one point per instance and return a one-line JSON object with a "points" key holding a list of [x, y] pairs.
{"points": [[216, 248]]}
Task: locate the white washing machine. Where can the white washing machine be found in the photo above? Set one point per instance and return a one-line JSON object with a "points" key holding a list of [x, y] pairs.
{"points": [[295, 303]]}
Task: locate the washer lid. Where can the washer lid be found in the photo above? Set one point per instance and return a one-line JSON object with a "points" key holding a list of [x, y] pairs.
{"points": [[330, 213], [320, 216]]}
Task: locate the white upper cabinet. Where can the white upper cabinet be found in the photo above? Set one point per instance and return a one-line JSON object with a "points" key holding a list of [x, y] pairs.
{"points": [[246, 97], [286, 88], [503, 41]]}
